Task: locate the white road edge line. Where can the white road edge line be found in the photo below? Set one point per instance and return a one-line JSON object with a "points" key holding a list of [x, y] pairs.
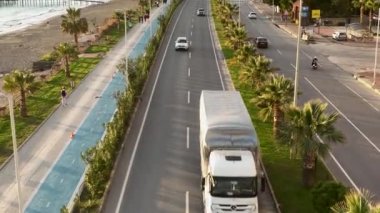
{"points": [[340, 167], [128, 172], [188, 72], [343, 115], [188, 97], [365, 100], [279, 52], [187, 137], [187, 202], [215, 55]]}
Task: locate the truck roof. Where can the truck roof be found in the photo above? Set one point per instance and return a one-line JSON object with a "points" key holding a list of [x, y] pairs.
{"points": [[232, 163], [225, 121]]}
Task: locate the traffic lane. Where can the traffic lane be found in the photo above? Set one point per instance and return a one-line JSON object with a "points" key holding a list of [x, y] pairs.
{"points": [[360, 90], [356, 156], [350, 100], [192, 182], [151, 80], [162, 170], [329, 71]]}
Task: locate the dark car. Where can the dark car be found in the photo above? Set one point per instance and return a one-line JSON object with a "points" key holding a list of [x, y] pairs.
{"points": [[201, 12], [261, 42]]}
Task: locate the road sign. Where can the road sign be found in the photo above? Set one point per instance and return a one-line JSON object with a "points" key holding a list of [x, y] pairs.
{"points": [[304, 14], [305, 8], [315, 13]]}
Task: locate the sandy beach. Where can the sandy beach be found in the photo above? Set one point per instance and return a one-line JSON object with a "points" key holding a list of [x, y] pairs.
{"points": [[19, 49]]}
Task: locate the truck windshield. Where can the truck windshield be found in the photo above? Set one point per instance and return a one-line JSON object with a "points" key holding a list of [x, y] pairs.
{"points": [[234, 187]]}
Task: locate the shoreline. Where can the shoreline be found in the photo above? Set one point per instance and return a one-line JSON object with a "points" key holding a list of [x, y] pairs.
{"points": [[20, 48]]}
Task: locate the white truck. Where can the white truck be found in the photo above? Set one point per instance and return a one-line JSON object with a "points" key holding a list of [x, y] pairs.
{"points": [[228, 144]]}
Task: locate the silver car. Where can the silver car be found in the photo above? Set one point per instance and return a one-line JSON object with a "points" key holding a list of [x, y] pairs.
{"points": [[339, 36]]}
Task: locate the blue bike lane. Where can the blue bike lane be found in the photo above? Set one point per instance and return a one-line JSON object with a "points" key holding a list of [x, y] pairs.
{"points": [[59, 186]]}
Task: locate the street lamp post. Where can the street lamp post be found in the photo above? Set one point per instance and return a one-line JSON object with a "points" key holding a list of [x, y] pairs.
{"points": [[297, 56], [126, 55], [377, 44], [272, 10], [150, 18], [15, 155], [239, 13]]}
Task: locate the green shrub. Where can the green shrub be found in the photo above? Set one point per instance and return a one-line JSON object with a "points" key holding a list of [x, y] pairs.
{"points": [[326, 194]]}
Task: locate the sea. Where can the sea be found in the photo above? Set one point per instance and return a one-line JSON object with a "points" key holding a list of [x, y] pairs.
{"points": [[18, 16]]}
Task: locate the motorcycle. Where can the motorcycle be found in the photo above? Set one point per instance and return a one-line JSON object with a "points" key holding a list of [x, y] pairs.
{"points": [[314, 65]]}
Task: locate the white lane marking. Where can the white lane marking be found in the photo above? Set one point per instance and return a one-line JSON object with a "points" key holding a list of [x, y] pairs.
{"points": [[279, 52], [344, 116], [47, 205], [128, 172], [187, 202], [188, 72], [307, 55], [340, 166], [188, 97], [365, 100], [190, 55], [293, 66], [192, 26], [187, 137], [216, 58], [61, 181]]}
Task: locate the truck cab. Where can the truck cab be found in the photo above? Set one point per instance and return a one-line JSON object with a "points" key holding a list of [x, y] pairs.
{"points": [[231, 182]]}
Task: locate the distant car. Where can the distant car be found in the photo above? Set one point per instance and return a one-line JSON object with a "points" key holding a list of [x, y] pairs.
{"points": [[261, 42], [339, 36], [252, 15], [201, 12], [181, 43]]}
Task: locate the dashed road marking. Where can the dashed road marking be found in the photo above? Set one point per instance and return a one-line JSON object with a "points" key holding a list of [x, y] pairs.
{"points": [[187, 137]]}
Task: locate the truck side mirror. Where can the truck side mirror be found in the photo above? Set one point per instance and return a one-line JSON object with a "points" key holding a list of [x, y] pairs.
{"points": [[203, 184]]}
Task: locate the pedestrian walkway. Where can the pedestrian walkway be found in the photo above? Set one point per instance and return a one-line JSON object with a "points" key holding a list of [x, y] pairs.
{"points": [[50, 162]]}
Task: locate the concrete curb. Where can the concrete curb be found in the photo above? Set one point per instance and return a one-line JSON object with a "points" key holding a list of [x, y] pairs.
{"points": [[366, 83], [220, 56]]}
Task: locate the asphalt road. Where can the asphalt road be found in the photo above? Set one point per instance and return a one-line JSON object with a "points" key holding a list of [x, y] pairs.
{"points": [[355, 162], [165, 172]]}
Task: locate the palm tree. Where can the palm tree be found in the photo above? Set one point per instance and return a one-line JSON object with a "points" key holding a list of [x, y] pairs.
{"points": [[302, 129], [359, 4], [371, 5], [118, 16], [273, 98], [67, 52], [356, 202], [230, 10], [20, 81], [238, 37], [255, 71], [73, 24], [246, 51]]}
